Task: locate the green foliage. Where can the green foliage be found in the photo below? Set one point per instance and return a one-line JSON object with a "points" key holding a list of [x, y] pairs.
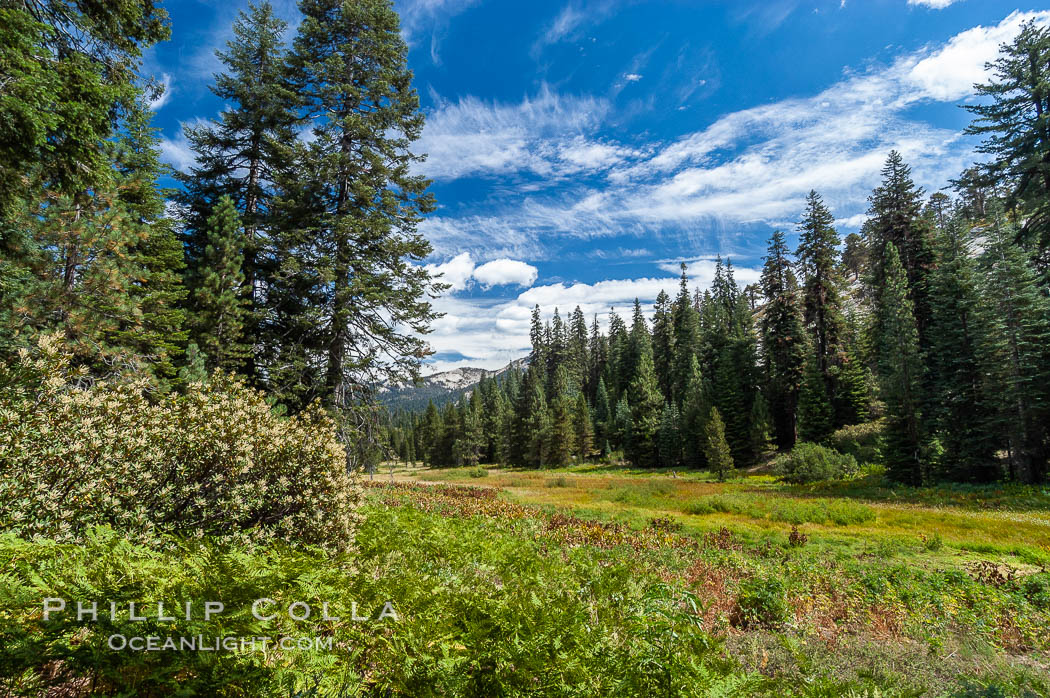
{"points": [[69, 77], [809, 462], [762, 603], [480, 612], [716, 450], [783, 342], [1012, 118], [219, 305], [900, 372], [642, 447], [213, 461], [815, 413], [862, 441], [817, 261]]}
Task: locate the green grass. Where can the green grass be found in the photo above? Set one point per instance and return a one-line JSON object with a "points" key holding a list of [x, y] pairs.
{"points": [[500, 598], [788, 510]]}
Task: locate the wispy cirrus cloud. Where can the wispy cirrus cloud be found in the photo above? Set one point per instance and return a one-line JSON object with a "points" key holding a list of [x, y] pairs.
{"points": [[753, 166], [472, 137], [933, 4]]}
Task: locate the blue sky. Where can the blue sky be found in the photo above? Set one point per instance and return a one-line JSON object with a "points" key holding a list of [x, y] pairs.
{"points": [[582, 149]]}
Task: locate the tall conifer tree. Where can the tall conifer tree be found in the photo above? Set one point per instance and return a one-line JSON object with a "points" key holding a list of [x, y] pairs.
{"points": [[783, 342], [900, 374]]}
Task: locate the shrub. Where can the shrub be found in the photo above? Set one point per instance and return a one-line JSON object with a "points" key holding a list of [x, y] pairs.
{"points": [[213, 461], [1036, 588], [478, 471], [761, 603], [860, 441], [809, 462]]}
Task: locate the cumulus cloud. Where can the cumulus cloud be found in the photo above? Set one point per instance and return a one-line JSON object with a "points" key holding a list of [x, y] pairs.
{"points": [[505, 272], [460, 272], [632, 77], [456, 272], [489, 334], [950, 72]]}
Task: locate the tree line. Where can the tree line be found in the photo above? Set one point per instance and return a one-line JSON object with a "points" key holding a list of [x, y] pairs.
{"points": [[935, 318], [288, 253]]}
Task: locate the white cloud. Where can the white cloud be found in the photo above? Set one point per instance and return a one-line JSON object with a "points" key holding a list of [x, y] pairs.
{"points": [[456, 272], [176, 151], [503, 272], [476, 138], [417, 15], [492, 333], [854, 221], [460, 272], [165, 95], [750, 167], [632, 77], [934, 4], [950, 72], [593, 155]]}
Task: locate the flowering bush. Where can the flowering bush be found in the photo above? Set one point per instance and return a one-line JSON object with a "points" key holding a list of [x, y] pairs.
{"points": [[213, 461]]}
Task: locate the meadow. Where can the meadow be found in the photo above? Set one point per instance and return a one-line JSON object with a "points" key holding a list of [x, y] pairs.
{"points": [[578, 582]]}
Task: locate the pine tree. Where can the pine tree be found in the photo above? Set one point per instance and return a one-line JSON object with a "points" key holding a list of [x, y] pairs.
{"points": [[69, 78], [101, 267], [817, 261], [695, 408], [783, 342], [896, 218], [1013, 120], [431, 433], [1019, 351], [716, 449], [604, 414], [815, 414], [670, 437], [219, 306], [193, 369], [598, 356], [470, 441], [686, 339], [618, 368], [583, 428], [532, 428], [960, 407], [562, 432], [578, 356], [622, 424], [646, 406], [900, 374], [241, 155], [663, 342], [349, 233], [854, 256]]}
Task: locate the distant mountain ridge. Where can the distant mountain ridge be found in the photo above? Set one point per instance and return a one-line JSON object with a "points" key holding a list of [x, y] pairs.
{"points": [[441, 388]]}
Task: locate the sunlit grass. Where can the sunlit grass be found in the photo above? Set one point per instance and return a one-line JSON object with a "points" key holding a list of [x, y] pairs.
{"points": [[1009, 522]]}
